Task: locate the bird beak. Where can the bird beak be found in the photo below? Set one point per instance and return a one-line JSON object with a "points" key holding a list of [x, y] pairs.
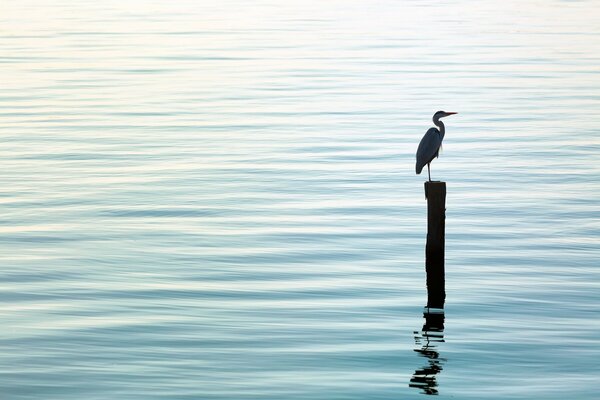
{"points": [[451, 113]]}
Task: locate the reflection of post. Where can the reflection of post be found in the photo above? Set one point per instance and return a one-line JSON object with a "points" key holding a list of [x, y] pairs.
{"points": [[432, 333], [435, 192]]}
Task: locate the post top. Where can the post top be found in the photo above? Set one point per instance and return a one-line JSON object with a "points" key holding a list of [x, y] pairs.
{"points": [[435, 187]]}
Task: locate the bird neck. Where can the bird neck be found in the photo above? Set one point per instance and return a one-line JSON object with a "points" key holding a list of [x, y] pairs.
{"points": [[440, 125]]}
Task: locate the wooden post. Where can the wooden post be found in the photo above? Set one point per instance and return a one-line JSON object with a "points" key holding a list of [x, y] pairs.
{"points": [[435, 192]]}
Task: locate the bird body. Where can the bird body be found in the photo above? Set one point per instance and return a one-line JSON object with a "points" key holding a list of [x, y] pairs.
{"points": [[430, 144], [428, 148]]}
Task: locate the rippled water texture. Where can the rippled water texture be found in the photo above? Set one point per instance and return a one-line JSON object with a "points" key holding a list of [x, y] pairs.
{"points": [[217, 200]]}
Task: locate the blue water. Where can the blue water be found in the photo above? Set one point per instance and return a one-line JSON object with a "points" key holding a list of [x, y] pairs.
{"points": [[217, 200]]}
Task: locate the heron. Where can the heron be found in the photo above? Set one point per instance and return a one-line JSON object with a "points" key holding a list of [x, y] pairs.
{"points": [[429, 147]]}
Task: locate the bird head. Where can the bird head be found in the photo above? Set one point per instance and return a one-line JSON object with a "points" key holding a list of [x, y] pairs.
{"points": [[442, 114]]}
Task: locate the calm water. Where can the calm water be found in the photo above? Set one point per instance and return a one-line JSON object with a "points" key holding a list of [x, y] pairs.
{"points": [[218, 201]]}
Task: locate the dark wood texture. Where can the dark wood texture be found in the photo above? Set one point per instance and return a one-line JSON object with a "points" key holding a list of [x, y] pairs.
{"points": [[435, 192]]}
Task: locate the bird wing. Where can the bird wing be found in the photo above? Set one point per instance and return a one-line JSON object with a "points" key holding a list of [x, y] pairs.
{"points": [[428, 148]]}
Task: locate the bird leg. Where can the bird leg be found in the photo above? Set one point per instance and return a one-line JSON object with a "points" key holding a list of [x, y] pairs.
{"points": [[428, 172]]}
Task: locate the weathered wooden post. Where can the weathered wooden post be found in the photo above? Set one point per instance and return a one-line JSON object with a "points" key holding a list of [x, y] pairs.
{"points": [[435, 192]]}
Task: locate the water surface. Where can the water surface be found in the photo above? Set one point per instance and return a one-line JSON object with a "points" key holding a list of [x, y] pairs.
{"points": [[218, 201]]}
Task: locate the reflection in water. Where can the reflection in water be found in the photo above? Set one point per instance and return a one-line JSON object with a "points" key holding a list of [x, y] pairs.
{"points": [[427, 342]]}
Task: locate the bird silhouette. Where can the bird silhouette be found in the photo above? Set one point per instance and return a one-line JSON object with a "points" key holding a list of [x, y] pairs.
{"points": [[429, 147]]}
